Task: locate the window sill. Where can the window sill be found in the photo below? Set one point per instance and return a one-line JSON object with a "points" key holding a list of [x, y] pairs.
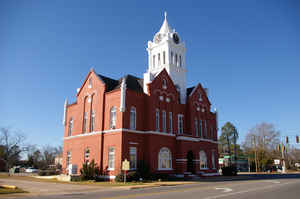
{"points": [[167, 169], [203, 168], [110, 169]]}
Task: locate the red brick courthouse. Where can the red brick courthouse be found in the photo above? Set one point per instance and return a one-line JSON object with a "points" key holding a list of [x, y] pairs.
{"points": [[155, 119]]}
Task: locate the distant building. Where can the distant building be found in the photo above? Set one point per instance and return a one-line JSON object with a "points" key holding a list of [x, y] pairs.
{"points": [[58, 159], [155, 119]]}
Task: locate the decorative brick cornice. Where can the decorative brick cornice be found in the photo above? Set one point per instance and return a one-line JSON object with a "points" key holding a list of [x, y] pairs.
{"points": [[184, 138]]}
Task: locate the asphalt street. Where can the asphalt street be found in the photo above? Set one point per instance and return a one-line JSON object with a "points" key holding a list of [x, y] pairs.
{"points": [[265, 186]]}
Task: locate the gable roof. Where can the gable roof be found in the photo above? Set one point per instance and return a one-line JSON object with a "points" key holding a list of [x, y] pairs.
{"points": [[189, 90], [110, 83], [132, 83]]}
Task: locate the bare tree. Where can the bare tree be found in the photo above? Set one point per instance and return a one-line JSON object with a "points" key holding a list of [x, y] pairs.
{"points": [[11, 143], [261, 142]]}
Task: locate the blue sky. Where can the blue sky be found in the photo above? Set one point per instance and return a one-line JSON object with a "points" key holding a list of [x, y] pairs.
{"points": [[246, 52]]}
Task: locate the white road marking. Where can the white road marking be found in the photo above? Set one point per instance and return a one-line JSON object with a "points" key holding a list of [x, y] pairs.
{"points": [[246, 191], [224, 188], [274, 181]]}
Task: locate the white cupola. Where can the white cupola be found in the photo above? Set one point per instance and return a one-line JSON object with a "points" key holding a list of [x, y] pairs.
{"points": [[167, 51]]}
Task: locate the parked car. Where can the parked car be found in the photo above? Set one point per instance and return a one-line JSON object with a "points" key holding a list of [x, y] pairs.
{"points": [[31, 170]]}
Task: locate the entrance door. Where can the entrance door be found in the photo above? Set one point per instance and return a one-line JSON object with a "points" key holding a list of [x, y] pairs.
{"points": [[190, 164]]}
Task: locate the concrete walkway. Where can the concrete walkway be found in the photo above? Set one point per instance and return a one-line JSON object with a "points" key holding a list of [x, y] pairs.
{"points": [[49, 188]]}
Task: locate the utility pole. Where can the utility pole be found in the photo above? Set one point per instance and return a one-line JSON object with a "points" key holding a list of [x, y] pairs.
{"points": [[229, 150], [255, 150], [235, 152], [283, 159]]}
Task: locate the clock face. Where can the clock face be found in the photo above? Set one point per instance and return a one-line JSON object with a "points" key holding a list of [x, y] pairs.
{"points": [[157, 38], [175, 38]]}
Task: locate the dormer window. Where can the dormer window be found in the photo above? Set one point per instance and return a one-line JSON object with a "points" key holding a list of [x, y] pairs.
{"points": [[90, 83], [164, 84]]}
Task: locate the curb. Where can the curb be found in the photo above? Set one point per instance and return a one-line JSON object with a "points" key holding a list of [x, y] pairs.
{"points": [[155, 185], [8, 186]]}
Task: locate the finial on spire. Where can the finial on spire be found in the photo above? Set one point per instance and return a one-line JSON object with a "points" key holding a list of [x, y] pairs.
{"points": [[165, 28]]}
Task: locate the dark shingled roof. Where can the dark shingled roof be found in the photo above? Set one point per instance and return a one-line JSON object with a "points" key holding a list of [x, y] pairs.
{"points": [[111, 84], [132, 83], [189, 90]]}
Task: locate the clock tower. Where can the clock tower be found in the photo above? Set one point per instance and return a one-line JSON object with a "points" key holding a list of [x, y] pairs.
{"points": [[167, 51]]}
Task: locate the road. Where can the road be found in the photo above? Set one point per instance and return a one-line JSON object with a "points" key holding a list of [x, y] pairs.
{"points": [[264, 186]]}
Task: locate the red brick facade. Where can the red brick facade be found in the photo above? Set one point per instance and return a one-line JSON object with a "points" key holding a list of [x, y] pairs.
{"points": [[99, 94]]}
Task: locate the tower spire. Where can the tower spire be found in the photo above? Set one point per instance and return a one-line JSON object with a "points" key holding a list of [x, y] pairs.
{"points": [[165, 28]]}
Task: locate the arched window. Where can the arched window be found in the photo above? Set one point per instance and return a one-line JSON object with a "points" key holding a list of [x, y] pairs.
{"points": [[180, 124], [133, 118], [203, 160], [164, 57], [164, 159], [157, 119], [164, 84], [176, 60], [153, 61], [87, 155], [113, 117], [170, 123], [199, 97], [172, 57], [201, 131], [84, 122], [70, 127], [92, 121], [205, 129], [196, 127], [158, 58], [90, 83], [164, 121]]}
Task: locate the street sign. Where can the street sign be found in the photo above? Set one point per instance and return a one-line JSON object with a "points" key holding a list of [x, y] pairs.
{"points": [[125, 168], [125, 165], [276, 161], [221, 160]]}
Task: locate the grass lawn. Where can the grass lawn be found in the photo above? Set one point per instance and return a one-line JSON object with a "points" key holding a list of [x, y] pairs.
{"points": [[104, 183], [9, 191]]}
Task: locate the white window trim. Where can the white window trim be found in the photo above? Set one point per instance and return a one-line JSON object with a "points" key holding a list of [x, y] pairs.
{"points": [[114, 159], [196, 127], [133, 110], [159, 162], [206, 163], [170, 122], [135, 148], [113, 109], [165, 169], [180, 131], [164, 121], [157, 122]]}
